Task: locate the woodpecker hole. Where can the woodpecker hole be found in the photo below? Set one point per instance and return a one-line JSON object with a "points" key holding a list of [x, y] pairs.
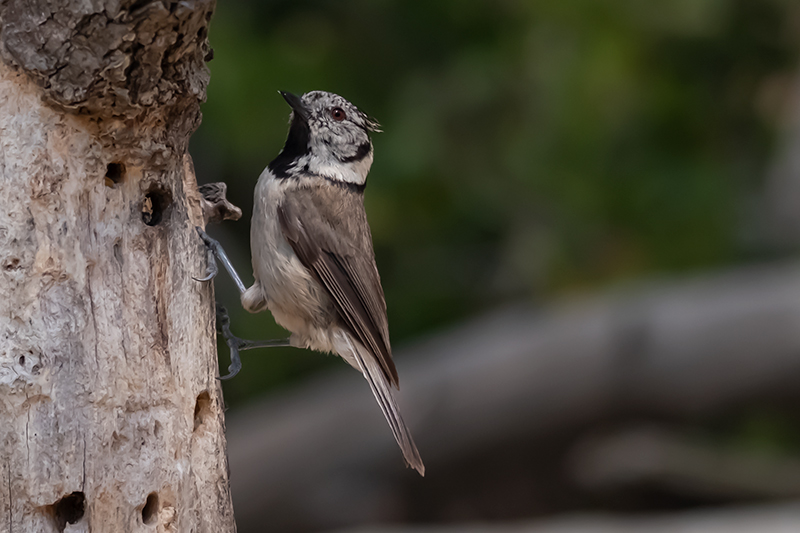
{"points": [[69, 509], [155, 205], [202, 409], [150, 509], [118, 251], [114, 173]]}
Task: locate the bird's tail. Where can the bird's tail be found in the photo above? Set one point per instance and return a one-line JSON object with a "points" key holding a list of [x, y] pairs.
{"points": [[374, 375]]}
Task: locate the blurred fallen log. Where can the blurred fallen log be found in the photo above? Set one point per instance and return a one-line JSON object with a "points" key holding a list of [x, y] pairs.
{"points": [[655, 455], [320, 456], [782, 518]]}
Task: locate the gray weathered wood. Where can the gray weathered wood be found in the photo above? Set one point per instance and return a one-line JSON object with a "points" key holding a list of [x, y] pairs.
{"points": [[110, 413]]}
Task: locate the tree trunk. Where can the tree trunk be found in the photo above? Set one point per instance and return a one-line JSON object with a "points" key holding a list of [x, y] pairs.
{"points": [[110, 413]]}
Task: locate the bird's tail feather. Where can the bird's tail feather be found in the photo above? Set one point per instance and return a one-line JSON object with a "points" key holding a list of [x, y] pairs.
{"points": [[374, 375]]}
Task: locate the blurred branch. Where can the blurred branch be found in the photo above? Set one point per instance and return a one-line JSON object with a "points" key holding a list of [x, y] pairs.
{"points": [[678, 349]]}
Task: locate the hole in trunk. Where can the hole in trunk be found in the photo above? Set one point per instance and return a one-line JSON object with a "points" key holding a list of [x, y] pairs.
{"points": [[118, 251], [155, 205], [69, 509], [114, 173], [202, 408], [150, 509]]}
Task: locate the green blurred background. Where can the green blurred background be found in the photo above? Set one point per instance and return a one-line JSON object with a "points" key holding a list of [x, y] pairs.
{"points": [[531, 149]]}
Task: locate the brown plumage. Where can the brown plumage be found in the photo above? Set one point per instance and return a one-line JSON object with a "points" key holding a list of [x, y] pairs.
{"points": [[336, 245]]}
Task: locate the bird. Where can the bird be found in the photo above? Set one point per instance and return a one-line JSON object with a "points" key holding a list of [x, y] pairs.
{"points": [[312, 254]]}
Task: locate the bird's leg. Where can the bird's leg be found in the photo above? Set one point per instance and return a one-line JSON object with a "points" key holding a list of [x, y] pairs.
{"points": [[216, 253], [235, 344]]}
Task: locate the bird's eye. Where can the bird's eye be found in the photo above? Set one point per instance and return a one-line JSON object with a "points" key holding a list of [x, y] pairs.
{"points": [[338, 114]]}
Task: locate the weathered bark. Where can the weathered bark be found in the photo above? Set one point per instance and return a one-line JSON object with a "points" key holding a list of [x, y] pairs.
{"points": [[110, 414]]}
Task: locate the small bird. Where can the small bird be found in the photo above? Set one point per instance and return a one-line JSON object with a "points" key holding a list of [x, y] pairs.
{"points": [[311, 245]]}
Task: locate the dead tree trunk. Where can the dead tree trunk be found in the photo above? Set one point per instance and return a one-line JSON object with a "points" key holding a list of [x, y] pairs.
{"points": [[110, 414]]}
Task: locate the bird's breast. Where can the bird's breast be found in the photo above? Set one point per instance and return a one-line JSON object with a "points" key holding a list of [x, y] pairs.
{"points": [[296, 299]]}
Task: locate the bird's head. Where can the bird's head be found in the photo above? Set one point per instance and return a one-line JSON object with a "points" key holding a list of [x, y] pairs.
{"points": [[328, 136]]}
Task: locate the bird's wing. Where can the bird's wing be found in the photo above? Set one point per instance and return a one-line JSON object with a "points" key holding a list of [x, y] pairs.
{"points": [[327, 228]]}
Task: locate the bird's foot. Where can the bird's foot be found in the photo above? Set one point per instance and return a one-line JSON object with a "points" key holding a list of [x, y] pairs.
{"points": [[217, 253], [211, 269], [237, 344]]}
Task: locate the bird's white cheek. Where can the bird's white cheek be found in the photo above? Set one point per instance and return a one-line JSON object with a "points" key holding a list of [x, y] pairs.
{"points": [[349, 173]]}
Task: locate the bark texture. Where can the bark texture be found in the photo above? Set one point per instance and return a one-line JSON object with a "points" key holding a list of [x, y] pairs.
{"points": [[110, 413]]}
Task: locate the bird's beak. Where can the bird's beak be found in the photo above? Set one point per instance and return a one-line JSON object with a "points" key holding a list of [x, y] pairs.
{"points": [[296, 103]]}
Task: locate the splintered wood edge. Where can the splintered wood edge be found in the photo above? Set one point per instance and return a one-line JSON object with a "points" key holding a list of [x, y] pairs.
{"points": [[216, 207]]}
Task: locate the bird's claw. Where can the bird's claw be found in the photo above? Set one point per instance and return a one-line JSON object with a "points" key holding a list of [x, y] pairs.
{"points": [[234, 367], [217, 253], [233, 342], [212, 269], [206, 238]]}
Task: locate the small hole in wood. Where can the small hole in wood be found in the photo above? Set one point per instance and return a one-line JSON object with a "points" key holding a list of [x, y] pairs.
{"points": [[21, 360], [118, 252], [69, 509], [150, 509], [202, 408], [114, 173], [155, 205]]}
